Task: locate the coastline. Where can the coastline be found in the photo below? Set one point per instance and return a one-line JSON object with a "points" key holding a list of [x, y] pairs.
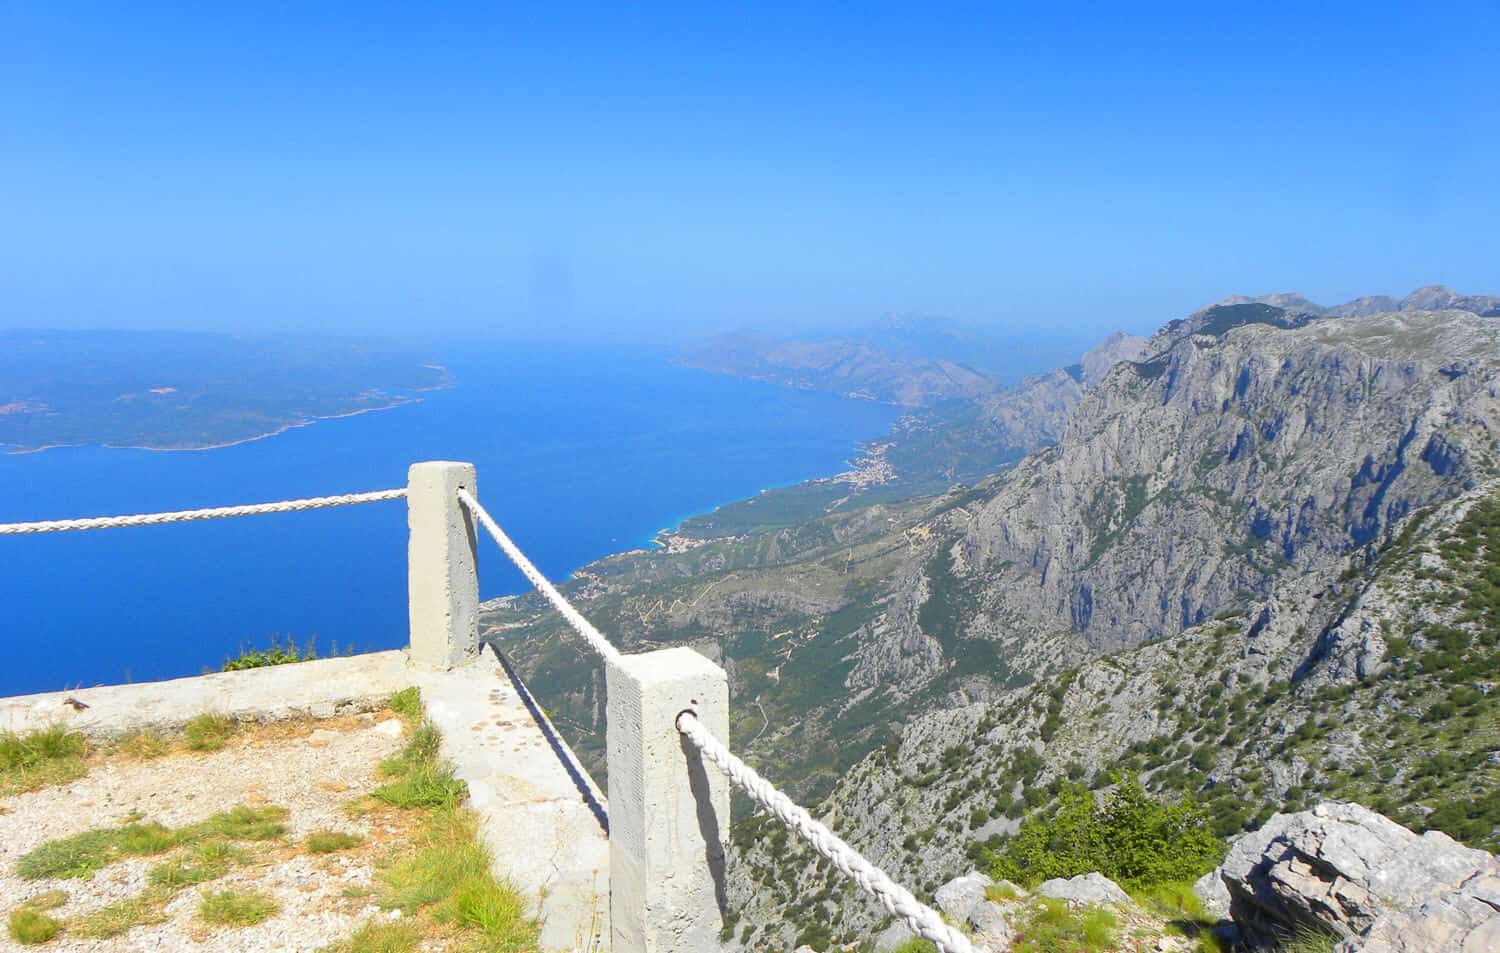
{"points": [[291, 425], [868, 468]]}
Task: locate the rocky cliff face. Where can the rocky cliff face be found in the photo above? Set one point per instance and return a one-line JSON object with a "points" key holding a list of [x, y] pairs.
{"points": [[1185, 484]]}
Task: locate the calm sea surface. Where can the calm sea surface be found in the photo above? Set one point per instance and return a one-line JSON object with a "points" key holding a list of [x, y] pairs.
{"points": [[578, 457]]}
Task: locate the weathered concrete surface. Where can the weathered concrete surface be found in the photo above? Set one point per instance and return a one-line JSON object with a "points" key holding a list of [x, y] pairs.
{"points": [[670, 819], [540, 814], [319, 689], [442, 567]]}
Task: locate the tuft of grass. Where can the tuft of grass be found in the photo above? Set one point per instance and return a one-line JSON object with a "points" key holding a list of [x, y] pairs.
{"points": [[40, 758], [421, 748], [330, 842], [494, 908], [428, 785], [1001, 892], [28, 926], [1053, 927], [1306, 941], [420, 778], [1176, 903], [244, 822], [144, 908], [179, 873], [237, 908], [408, 704], [375, 937], [80, 855], [50, 900], [143, 744], [917, 945], [209, 732], [450, 875]]}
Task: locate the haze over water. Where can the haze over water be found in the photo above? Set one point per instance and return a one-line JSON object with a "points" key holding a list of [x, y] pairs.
{"points": [[578, 454]]}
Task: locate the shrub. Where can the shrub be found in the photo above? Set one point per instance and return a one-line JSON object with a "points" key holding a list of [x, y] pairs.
{"points": [[277, 654], [1129, 836]]}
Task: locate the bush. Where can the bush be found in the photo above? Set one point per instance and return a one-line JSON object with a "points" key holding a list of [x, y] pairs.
{"points": [[1129, 836], [277, 654]]}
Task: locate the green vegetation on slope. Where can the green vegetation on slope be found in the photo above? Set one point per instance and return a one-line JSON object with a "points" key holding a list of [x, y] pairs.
{"points": [[1132, 838]]}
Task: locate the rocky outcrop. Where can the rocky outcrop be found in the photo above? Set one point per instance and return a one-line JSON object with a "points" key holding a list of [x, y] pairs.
{"points": [[1092, 888], [1380, 887]]}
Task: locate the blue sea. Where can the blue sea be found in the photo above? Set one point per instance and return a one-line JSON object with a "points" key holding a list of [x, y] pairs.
{"points": [[578, 456]]}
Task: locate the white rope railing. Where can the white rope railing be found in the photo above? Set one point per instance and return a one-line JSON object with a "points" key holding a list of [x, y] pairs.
{"points": [[924, 921], [582, 626], [187, 516]]}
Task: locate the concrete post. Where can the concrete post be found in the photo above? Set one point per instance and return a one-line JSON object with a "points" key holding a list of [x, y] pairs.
{"points": [[668, 809], [442, 576]]}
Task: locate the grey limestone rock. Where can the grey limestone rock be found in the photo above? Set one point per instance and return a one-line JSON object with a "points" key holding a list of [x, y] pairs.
{"points": [[959, 896], [1085, 888], [893, 936], [1214, 896], [991, 925], [1380, 887]]}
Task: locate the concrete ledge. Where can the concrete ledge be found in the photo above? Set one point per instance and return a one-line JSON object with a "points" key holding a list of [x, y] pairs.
{"points": [[320, 689], [542, 817]]}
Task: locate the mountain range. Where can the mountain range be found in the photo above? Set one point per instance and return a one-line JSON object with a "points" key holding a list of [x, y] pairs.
{"points": [[1253, 559]]}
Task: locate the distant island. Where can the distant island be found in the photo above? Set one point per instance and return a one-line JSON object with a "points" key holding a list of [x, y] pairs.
{"points": [[191, 391]]}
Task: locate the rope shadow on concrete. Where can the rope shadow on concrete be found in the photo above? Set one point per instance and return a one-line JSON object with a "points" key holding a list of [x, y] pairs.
{"points": [[580, 778]]}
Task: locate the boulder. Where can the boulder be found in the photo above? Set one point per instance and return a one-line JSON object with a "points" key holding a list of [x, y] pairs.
{"points": [[893, 936], [960, 895], [1086, 888], [991, 926], [1214, 896], [1378, 886]]}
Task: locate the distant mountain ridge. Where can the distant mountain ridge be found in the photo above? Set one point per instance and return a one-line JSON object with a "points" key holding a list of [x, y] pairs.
{"points": [[1426, 298]]}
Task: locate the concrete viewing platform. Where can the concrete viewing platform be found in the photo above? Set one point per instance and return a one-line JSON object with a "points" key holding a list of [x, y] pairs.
{"points": [[542, 817]]}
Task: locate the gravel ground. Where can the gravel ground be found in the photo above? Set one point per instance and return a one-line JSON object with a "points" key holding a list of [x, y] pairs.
{"points": [[310, 768]]}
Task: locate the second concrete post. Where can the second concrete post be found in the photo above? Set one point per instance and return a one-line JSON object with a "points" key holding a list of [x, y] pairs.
{"points": [[668, 809]]}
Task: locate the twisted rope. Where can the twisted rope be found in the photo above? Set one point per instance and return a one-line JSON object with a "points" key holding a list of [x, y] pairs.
{"points": [[924, 921], [582, 626], [187, 516]]}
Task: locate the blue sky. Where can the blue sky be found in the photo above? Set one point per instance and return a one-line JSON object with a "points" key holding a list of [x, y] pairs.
{"points": [[500, 169]]}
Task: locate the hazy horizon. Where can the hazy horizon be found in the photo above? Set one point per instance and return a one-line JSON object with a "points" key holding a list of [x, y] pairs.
{"points": [[595, 174]]}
